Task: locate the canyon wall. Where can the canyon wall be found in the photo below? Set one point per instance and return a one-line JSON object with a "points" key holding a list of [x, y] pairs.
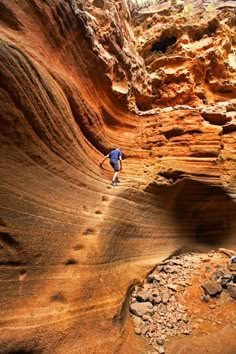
{"points": [[77, 80]]}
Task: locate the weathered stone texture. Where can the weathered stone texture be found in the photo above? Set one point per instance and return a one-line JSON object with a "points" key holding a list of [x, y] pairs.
{"points": [[77, 78]]}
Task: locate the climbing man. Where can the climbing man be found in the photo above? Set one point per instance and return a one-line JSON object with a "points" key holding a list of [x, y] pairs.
{"points": [[115, 157]]}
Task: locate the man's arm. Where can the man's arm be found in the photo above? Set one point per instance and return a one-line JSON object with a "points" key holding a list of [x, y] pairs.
{"points": [[120, 159], [103, 160]]}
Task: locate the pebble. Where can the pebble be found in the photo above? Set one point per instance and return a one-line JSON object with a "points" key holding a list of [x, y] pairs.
{"points": [[172, 287], [160, 341]]}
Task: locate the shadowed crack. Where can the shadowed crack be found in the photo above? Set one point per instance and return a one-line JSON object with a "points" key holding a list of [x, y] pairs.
{"points": [[8, 239]]}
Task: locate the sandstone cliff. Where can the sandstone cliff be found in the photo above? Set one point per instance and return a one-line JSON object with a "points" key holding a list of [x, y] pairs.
{"points": [[78, 78]]}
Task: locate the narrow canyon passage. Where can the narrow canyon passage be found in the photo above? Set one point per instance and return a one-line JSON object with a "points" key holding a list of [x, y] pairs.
{"points": [[76, 80]]}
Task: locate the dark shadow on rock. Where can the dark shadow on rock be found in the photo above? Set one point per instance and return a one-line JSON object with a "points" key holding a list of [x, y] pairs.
{"points": [[207, 212]]}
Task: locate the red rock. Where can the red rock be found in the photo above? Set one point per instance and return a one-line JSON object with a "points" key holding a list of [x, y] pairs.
{"points": [[75, 82], [232, 290], [212, 287]]}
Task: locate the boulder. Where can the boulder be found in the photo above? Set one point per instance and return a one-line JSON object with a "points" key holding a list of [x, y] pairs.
{"points": [[143, 296], [141, 308], [212, 287], [232, 290]]}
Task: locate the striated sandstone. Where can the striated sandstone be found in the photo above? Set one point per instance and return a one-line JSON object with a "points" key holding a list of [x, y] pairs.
{"points": [[78, 78]]}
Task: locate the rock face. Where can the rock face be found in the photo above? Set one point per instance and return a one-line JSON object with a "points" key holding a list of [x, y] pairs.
{"points": [[78, 78]]}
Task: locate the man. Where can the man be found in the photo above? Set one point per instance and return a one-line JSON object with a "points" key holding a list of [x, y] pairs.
{"points": [[115, 157]]}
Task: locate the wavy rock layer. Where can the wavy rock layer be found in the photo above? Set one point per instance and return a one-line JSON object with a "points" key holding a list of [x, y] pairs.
{"points": [[73, 85]]}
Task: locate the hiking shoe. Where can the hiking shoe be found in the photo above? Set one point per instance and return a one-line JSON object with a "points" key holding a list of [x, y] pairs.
{"points": [[117, 180], [113, 184]]}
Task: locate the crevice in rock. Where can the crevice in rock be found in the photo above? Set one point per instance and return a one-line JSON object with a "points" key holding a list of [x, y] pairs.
{"points": [[6, 238], [71, 261], [174, 175], [163, 44], [209, 30], [173, 132], [12, 263], [202, 154], [120, 316], [229, 128], [216, 118], [212, 26]]}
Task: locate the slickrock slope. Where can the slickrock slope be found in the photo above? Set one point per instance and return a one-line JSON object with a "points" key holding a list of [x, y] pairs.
{"points": [[76, 80]]}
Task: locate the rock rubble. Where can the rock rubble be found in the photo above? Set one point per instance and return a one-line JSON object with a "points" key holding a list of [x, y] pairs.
{"points": [[158, 308]]}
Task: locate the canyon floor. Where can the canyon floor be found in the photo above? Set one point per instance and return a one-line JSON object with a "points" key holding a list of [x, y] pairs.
{"points": [[184, 315]]}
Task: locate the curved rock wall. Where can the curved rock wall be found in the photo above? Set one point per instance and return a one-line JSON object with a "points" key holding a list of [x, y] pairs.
{"points": [[71, 246]]}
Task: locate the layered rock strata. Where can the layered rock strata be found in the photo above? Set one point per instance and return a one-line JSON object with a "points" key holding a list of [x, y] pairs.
{"points": [[78, 78]]}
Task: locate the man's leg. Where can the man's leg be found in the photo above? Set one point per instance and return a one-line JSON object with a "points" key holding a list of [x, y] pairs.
{"points": [[115, 176], [115, 166]]}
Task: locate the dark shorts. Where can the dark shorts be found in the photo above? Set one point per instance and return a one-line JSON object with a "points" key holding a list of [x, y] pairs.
{"points": [[115, 165]]}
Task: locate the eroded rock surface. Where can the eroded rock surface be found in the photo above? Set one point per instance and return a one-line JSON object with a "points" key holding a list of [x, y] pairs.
{"points": [[77, 79]]}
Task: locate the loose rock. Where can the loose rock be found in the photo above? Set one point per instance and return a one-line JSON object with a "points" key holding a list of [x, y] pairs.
{"points": [[212, 287]]}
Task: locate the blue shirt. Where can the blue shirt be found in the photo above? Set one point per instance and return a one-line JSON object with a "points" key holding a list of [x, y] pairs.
{"points": [[115, 155]]}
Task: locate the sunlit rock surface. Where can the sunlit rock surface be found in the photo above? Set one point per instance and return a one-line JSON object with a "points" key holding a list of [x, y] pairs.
{"points": [[76, 80]]}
